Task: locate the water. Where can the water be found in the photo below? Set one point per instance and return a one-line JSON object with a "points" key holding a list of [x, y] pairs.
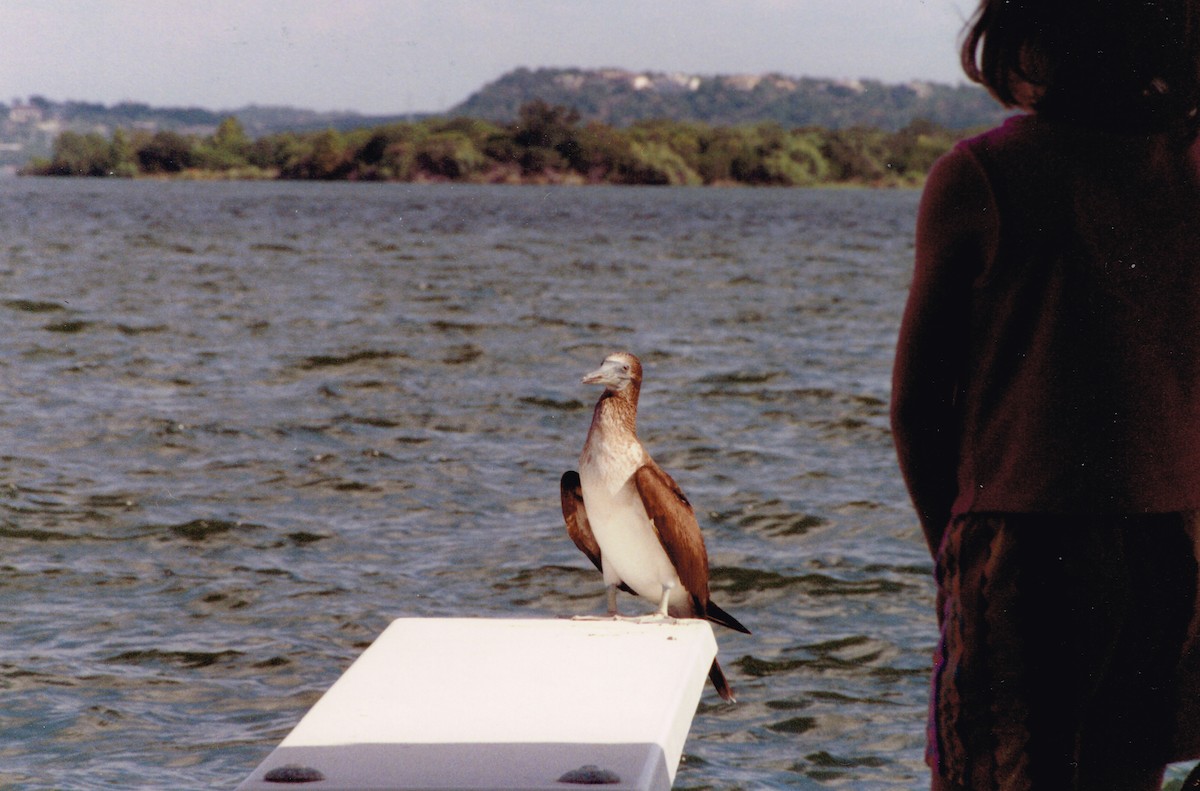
{"points": [[246, 425]]}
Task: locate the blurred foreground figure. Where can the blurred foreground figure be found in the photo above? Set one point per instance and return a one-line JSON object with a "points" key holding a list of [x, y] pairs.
{"points": [[1046, 401]]}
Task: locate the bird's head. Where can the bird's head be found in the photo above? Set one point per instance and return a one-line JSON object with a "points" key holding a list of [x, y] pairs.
{"points": [[619, 372]]}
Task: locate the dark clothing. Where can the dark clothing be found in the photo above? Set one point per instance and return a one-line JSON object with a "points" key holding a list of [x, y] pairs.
{"points": [[1046, 413], [1060, 642], [1050, 354]]}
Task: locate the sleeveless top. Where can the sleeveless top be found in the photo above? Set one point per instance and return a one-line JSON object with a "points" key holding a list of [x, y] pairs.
{"points": [[1081, 391]]}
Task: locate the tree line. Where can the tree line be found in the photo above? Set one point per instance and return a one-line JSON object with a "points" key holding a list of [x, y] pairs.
{"points": [[545, 144]]}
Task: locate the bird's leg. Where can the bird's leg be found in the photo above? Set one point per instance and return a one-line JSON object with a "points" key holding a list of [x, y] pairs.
{"points": [[661, 615], [611, 598], [662, 606]]}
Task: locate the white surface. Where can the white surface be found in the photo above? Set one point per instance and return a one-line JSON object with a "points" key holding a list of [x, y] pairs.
{"points": [[504, 704]]}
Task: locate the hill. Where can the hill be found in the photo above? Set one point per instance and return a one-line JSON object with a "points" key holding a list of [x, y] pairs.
{"points": [[619, 98]]}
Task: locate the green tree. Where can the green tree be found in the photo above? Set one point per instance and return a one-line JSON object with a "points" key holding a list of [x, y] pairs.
{"points": [[225, 149], [231, 136], [546, 136], [855, 155], [320, 156], [165, 152], [375, 147], [398, 162], [122, 157], [656, 164], [542, 125], [387, 153], [76, 154], [328, 157], [273, 152], [913, 150], [684, 138], [790, 159], [726, 154], [477, 131], [603, 153], [450, 155]]}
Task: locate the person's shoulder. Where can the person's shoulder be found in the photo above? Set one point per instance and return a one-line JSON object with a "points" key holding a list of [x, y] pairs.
{"points": [[958, 207], [1016, 132], [959, 170], [1023, 149]]}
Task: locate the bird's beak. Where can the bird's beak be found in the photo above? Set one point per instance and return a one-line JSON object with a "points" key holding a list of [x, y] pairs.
{"points": [[596, 377], [606, 375]]}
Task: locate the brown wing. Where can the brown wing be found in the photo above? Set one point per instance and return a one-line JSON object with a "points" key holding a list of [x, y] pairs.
{"points": [[677, 529], [575, 515]]}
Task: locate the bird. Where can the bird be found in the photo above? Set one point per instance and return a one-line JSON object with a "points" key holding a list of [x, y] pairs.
{"points": [[630, 518]]}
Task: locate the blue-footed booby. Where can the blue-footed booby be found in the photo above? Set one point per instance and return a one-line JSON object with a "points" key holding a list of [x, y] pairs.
{"points": [[631, 519]]}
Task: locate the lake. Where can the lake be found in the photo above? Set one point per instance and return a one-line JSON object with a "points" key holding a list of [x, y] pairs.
{"points": [[246, 425]]}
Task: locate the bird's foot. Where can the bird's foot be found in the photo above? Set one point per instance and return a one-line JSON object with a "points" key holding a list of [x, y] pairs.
{"points": [[612, 616], [655, 618]]}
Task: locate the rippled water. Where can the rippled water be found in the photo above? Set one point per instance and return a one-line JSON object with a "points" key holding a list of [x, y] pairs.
{"points": [[244, 426]]}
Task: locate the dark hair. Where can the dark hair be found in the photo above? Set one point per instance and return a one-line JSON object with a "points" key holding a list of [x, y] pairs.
{"points": [[1114, 63]]}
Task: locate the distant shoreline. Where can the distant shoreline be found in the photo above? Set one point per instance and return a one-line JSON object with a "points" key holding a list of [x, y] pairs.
{"points": [[496, 179], [546, 145]]}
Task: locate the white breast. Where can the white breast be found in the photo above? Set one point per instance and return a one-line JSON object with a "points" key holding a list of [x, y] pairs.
{"points": [[629, 548]]}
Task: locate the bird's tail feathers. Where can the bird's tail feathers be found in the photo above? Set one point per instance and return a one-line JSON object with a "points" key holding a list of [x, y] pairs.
{"points": [[717, 677], [718, 616]]}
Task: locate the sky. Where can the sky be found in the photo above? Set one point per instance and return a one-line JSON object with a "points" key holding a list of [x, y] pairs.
{"points": [[410, 56]]}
